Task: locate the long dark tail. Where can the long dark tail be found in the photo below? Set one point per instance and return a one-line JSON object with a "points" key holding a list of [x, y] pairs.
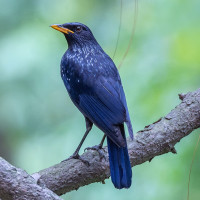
{"points": [[120, 167]]}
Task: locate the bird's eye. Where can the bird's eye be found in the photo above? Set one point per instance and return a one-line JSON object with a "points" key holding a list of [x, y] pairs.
{"points": [[78, 29]]}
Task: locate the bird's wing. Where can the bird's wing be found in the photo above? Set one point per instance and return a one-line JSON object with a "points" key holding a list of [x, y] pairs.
{"points": [[104, 106], [119, 91], [128, 120]]}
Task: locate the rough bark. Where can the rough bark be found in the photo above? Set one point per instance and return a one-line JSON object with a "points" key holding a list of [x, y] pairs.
{"points": [[156, 139], [16, 184]]}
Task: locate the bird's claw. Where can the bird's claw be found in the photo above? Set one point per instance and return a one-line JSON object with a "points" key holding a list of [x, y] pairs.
{"points": [[97, 148], [78, 157]]}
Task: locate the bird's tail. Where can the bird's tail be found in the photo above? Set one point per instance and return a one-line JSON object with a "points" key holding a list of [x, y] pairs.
{"points": [[120, 167]]}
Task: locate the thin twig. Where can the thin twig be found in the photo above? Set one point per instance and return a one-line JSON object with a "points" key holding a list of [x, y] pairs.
{"points": [[132, 33], [193, 157], [119, 29]]}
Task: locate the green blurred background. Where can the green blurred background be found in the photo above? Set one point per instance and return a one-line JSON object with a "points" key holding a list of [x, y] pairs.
{"points": [[39, 125]]}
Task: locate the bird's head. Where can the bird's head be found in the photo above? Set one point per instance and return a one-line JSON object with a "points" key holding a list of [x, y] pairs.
{"points": [[77, 34]]}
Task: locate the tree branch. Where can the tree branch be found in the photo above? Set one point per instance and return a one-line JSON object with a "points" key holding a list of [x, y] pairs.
{"points": [[156, 139], [16, 184]]}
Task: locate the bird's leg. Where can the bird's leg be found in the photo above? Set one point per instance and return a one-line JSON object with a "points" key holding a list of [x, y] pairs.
{"points": [[76, 155], [102, 141], [98, 148]]}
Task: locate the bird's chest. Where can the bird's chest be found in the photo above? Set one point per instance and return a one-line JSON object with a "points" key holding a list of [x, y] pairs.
{"points": [[81, 72], [71, 78]]}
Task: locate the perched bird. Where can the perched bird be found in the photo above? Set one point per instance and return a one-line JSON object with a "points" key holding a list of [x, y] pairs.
{"points": [[94, 85]]}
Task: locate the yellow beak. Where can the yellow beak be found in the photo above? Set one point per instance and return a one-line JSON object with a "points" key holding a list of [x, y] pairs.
{"points": [[61, 29]]}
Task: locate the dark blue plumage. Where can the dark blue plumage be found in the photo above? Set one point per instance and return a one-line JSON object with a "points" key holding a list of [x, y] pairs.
{"points": [[94, 85]]}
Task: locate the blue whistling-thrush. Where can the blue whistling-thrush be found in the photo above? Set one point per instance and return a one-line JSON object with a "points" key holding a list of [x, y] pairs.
{"points": [[94, 85]]}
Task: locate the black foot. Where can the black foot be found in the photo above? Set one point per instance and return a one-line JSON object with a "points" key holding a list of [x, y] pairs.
{"points": [[78, 157], [99, 149]]}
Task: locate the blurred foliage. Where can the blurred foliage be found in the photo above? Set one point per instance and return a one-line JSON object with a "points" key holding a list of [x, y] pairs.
{"points": [[39, 126]]}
